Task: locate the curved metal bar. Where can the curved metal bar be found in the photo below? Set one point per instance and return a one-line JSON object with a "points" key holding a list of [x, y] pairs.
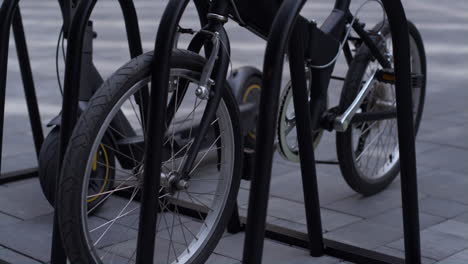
{"points": [[135, 46], [7, 11], [156, 125], [342, 5], [10, 15], [274, 56], [156, 128], [272, 72], [73, 72], [28, 82], [132, 27], [72, 80], [406, 137], [306, 118]]}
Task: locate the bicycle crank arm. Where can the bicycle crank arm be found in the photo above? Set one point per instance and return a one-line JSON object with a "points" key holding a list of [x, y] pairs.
{"points": [[342, 122]]}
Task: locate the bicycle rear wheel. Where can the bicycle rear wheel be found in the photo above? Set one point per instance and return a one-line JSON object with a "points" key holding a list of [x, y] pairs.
{"points": [[368, 152], [191, 219]]}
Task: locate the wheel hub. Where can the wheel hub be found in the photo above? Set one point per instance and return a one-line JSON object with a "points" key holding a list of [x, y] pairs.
{"points": [[172, 182]]}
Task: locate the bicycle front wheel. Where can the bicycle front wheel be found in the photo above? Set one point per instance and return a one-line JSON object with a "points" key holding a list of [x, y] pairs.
{"points": [[192, 219]]}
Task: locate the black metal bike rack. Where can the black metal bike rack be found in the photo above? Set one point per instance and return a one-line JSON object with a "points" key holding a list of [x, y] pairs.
{"points": [[75, 28], [10, 16], [281, 37], [256, 226], [77, 15]]}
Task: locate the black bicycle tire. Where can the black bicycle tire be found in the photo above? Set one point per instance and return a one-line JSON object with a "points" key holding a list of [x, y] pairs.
{"points": [[73, 236], [352, 83]]}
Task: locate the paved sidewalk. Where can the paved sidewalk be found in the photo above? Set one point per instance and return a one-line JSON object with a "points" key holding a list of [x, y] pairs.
{"points": [[373, 223]]}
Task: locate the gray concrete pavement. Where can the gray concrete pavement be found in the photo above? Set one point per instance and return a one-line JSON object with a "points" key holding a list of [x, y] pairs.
{"points": [[373, 223]]}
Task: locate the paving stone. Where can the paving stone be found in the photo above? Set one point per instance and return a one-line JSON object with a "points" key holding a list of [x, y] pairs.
{"points": [[279, 169], [442, 207], [461, 257], [401, 254], [6, 219], [21, 160], [423, 147], [462, 218], [441, 142], [285, 209], [394, 218], [365, 234], [231, 246], [220, 259], [13, 257], [330, 221], [24, 200], [301, 227], [368, 206], [31, 237], [452, 227], [126, 249], [451, 158], [454, 135], [436, 245], [243, 212], [331, 186], [274, 252], [446, 184], [113, 258]]}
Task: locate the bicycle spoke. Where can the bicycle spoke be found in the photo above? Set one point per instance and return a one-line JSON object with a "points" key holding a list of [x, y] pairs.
{"points": [[117, 218], [105, 198], [206, 153], [125, 207], [121, 153], [112, 191]]}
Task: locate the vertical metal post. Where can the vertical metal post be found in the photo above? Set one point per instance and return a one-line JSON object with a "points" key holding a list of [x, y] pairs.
{"points": [[234, 225], [28, 82], [260, 186], [135, 48], [131, 27], [156, 127], [7, 10], [305, 139], [72, 81], [70, 104], [406, 136]]}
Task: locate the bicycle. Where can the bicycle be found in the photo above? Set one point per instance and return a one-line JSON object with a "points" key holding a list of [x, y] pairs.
{"points": [[207, 140]]}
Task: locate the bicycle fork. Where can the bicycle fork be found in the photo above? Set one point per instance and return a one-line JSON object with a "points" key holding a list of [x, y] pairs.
{"points": [[156, 126], [217, 68]]}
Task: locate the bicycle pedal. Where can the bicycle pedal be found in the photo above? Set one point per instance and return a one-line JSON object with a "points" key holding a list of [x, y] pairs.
{"points": [[388, 76]]}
